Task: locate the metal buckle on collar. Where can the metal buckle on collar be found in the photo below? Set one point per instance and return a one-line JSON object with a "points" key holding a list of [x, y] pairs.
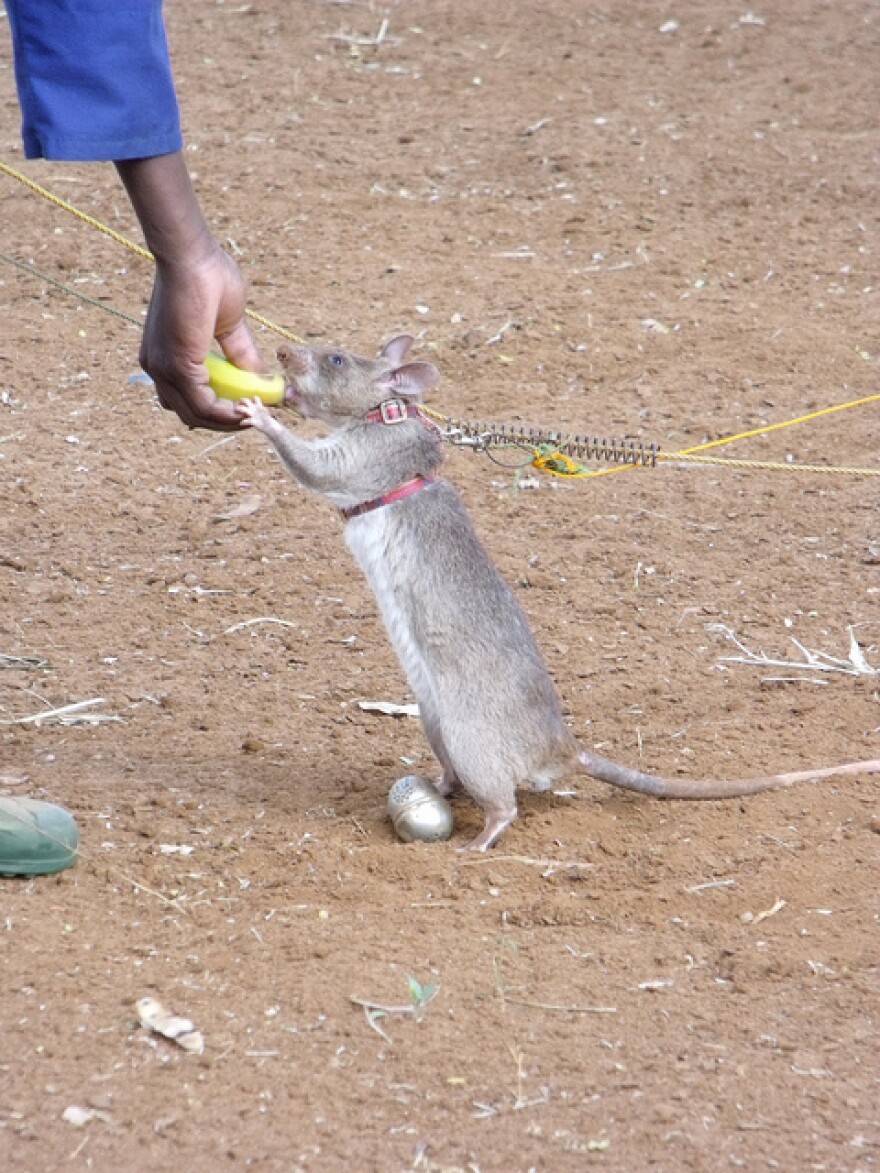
{"points": [[393, 411]]}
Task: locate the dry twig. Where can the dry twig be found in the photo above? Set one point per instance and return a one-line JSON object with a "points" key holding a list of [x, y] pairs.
{"points": [[856, 665], [66, 715]]}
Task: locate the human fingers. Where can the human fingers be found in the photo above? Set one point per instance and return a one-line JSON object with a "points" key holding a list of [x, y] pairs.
{"points": [[196, 404], [237, 344]]}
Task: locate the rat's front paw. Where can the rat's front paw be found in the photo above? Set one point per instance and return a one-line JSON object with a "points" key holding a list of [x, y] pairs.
{"points": [[253, 414]]}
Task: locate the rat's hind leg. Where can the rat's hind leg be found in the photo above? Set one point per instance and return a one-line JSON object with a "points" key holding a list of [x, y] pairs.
{"points": [[430, 716], [497, 822], [447, 783], [494, 791]]}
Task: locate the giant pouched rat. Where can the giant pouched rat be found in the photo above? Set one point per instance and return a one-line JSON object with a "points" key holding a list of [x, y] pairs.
{"points": [[488, 706]]}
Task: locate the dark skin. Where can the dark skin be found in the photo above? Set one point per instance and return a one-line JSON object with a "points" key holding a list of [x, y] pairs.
{"points": [[199, 294]]}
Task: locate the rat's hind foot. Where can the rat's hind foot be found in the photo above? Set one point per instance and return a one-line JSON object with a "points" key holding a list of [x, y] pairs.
{"points": [[496, 825], [447, 783]]}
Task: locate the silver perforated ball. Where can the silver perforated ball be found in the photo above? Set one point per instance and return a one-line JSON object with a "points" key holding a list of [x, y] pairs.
{"points": [[418, 811]]}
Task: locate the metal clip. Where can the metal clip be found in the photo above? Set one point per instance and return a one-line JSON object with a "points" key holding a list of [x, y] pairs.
{"points": [[393, 411], [460, 438]]}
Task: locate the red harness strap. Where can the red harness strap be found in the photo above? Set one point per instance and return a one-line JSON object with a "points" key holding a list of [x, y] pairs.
{"points": [[405, 490], [394, 411]]}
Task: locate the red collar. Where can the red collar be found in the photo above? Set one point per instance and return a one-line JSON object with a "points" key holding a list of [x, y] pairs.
{"points": [[394, 411], [405, 490]]}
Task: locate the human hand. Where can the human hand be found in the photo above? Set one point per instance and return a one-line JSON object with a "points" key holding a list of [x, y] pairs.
{"points": [[193, 302], [198, 294]]}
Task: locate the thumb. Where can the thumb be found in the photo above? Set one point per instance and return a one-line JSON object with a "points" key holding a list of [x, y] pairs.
{"points": [[239, 347]]}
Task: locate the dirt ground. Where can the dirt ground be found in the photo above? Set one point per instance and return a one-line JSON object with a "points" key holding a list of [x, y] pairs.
{"points": [[636, 220]]}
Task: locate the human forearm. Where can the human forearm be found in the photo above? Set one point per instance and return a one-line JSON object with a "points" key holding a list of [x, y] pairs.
{"points": [[165, 204], [95, 83], [199, 292]]}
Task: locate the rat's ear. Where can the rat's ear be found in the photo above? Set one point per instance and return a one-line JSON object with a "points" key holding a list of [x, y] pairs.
{"points": [[411, 380], [396, 349]]}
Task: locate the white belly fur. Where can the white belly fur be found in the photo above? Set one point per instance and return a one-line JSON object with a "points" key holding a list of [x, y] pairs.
{"points": [[367, 539]]}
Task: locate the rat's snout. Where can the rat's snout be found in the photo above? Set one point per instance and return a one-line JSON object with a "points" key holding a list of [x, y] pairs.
{"points": [[294, 359], [296, 362]]}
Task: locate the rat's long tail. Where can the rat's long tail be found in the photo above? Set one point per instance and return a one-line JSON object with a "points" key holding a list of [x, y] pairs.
{"points": [[616, 775]]}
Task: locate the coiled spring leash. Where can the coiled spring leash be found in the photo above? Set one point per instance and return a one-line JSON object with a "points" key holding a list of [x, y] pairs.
{"points": [[551, 452]]}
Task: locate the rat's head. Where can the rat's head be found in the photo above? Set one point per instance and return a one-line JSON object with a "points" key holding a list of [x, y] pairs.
{"points": [[336, 386]]}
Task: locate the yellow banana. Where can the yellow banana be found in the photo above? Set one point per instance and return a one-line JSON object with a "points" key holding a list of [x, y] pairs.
{"points": [[231, 382]]}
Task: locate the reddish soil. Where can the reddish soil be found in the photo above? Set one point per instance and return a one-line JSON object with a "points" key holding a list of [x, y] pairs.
{"points": [[673, 230]]}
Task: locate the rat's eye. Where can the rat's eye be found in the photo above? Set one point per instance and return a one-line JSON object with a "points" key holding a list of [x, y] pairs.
{"points": [[337, 360]]}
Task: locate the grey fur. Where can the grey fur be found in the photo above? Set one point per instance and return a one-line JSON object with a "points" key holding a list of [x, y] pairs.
{"points": [[489, 709]]}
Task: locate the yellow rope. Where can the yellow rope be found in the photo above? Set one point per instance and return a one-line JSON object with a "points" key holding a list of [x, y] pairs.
{"points": [[275, 328], [559, 465], [690, 453], [437, 416], [74, 211], [801, 419], [773, 465], [555, 463], [124, 240]]}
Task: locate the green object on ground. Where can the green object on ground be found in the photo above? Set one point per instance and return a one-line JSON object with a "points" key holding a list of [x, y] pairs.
{"points": [[36, 838]]}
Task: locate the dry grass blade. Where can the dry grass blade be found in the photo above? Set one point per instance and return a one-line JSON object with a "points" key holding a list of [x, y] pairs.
{"points": [[14, 779], [550, 866], [856, 665], [28, 662], [372, 1015], [260, 619], [561, 1009], [73, 714], [365, 42], [420, 996]]}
